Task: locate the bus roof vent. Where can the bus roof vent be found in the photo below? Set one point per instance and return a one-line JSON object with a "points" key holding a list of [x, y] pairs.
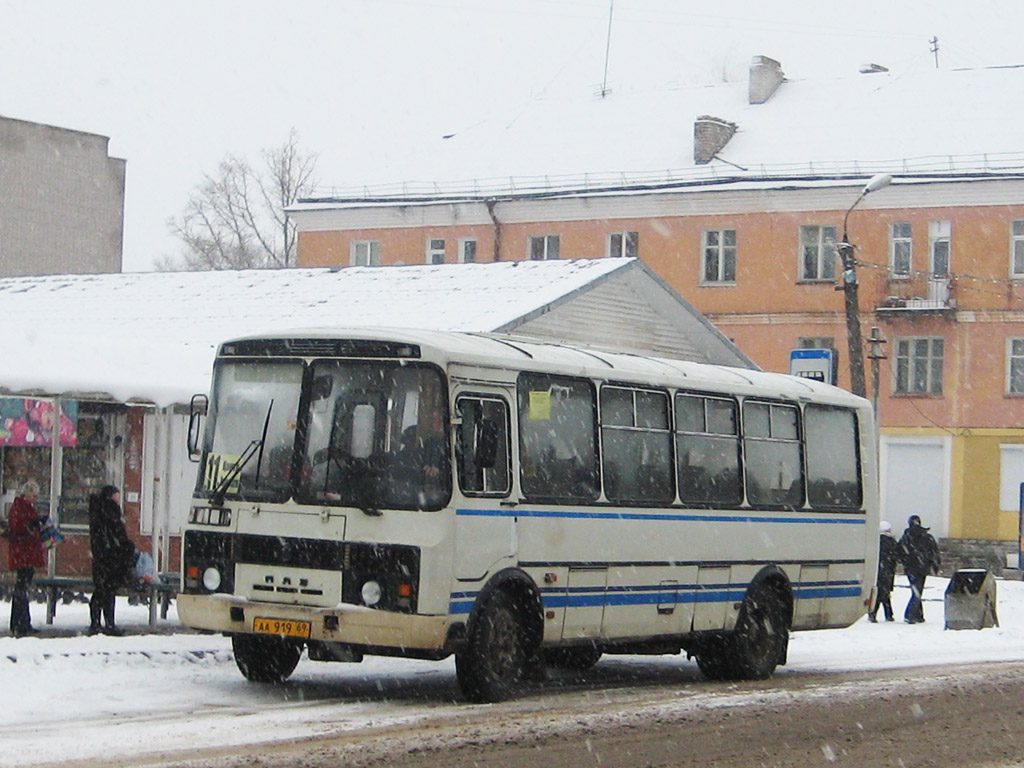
{"points": [[319, 348]]}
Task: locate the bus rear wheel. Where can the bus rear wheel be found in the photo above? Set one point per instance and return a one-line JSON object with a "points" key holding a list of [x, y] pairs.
{"points": [[493, 665], [755, 647], [762, 635], [265, 659]]}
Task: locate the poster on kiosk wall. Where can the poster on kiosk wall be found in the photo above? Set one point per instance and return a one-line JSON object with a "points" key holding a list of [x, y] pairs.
{"points": [[25, 422]]}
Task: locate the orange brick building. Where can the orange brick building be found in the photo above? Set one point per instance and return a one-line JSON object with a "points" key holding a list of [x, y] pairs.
{"points": [[939, 259]]}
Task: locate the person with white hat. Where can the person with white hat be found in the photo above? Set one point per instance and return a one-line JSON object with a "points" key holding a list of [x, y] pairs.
{"points": [[889, 556]]}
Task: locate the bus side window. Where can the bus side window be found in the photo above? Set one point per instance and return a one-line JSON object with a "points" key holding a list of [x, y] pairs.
{"points": [[558, 438], [482, 446], [771, 448], [636, 446]]}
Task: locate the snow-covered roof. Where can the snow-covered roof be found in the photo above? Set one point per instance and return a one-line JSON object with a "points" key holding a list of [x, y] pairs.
{"points": [[930, 123], [152, 336]]}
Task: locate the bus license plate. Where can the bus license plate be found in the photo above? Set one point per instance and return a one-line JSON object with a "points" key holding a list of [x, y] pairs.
{"points": [[285, 627]]}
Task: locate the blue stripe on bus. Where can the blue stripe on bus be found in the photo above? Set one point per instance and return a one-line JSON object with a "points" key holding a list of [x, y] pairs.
{"points": [[674, 517], [583, 597]]}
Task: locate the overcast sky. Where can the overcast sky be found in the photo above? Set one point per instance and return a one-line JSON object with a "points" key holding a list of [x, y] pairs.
{"points": [[176, 86]]}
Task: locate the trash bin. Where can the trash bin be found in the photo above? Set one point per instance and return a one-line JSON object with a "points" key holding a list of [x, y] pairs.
{"points": [[971, 600]]}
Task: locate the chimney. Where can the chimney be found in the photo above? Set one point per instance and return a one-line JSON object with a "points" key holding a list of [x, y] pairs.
{"points": [[765, 78], [710, 134]]}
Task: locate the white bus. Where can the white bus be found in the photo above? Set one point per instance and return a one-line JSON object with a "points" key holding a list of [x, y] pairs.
{"points": [[520, 504]]}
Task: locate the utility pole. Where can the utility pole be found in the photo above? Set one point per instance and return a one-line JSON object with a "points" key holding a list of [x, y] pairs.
{"points": [[875, 354], [934, 43], [851, 298], [851, 303]]}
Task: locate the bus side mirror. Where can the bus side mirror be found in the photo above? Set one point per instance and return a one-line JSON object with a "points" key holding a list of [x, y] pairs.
{"points": [[197, 410], [486, 445]]}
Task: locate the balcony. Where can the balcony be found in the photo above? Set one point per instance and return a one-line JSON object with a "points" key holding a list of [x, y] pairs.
{"points": [[918, 294]]}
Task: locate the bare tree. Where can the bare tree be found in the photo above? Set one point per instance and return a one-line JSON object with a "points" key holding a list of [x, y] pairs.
{"points": [[235, 218]]}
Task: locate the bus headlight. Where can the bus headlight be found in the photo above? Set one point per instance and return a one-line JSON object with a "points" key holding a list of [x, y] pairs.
{"points": [[211, 579], [371, 593]]}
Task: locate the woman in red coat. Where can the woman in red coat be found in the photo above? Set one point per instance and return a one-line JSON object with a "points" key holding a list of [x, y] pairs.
{"points": [[25, 553]]}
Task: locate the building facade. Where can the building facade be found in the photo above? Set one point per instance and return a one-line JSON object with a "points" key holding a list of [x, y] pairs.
{"points": [[940, 264], [746, 227], [61, 201]]}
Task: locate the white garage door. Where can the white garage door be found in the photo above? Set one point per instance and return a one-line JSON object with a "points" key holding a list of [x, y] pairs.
{"points": [[915, 482]]}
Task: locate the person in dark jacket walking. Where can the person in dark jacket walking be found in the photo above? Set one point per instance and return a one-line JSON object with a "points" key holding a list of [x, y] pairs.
{"points": [[25, 553], [889, 557], [113, 555], [920, 555]]}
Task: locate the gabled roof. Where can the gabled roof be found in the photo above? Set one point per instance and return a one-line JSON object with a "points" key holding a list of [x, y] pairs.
{"points": [[151, 337], [930, 123]]}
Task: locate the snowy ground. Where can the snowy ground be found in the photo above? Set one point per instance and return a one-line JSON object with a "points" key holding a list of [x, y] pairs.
{"points": [[85, 697]]}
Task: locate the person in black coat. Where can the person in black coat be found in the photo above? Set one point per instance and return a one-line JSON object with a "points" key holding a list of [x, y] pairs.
{"points": [[920, 557], [889, 556], [113, 556]]}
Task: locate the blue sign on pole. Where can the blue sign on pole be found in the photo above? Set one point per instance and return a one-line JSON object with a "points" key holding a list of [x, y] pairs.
{"points": [[814, 364]]}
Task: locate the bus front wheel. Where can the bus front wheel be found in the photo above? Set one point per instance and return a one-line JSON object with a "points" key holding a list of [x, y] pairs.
{"points": [[493, 665], [265, 658]]}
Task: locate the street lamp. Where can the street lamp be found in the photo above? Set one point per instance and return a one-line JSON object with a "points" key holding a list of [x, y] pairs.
{"points": [[849, 289]]}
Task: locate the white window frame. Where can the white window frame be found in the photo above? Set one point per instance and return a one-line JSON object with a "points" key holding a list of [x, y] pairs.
{"points": [[940, 233], [464, 243], [1017, 249], [436, 247], [906, 356], [717, 253], [546, 242], [1015, 364], [896, 243], [826, 253], [364, 253], [627, 245]]}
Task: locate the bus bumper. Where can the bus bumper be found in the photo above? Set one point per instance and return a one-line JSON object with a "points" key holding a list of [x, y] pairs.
{"points": [[355, 625]]}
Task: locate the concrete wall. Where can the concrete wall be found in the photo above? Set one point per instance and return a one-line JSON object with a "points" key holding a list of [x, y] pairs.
{"points": [[61, 201]]}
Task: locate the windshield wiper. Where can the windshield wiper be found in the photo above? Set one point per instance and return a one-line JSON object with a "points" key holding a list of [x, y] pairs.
{"points": [[254, 448]]}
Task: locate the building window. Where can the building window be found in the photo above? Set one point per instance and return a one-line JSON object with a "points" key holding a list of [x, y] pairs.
{"points": [[467, 250], [899, 250], [365, 253], [918, 368], [543, 247], [1017, 249], [817, 253], [1015, 366], [816, 342], [719, 247], [938, 247], [435, 251], [624, 244]]}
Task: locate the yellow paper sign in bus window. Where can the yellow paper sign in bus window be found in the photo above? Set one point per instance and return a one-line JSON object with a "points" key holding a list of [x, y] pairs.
{"points": [[218, 465], [540, 406]]}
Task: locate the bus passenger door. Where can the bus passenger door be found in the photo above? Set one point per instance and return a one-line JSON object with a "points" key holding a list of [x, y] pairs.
{"points": [[712, 598], [585, 598], [486, 528]]}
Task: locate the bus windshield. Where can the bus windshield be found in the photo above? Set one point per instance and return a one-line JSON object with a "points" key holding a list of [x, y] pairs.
{"points": [[377, 437], [252, 424]]}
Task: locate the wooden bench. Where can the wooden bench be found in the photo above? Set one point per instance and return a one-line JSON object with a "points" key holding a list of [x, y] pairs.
{"points": [[58, 587]]}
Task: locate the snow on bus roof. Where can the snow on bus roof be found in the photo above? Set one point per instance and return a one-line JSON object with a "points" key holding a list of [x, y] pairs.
{"points": [[500, 349], [151, 337]]}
